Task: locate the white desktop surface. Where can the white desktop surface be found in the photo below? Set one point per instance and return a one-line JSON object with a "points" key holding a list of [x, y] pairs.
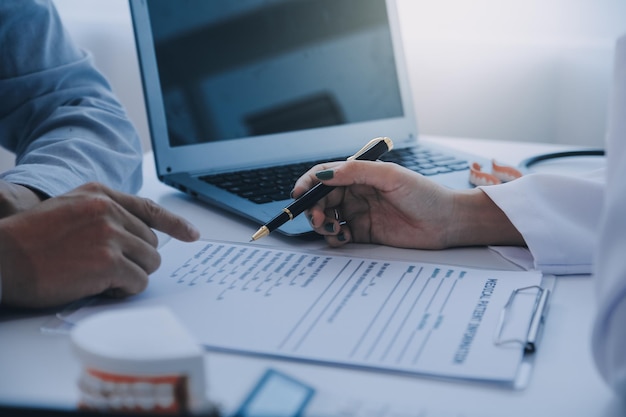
{"points": [[38, 369]]}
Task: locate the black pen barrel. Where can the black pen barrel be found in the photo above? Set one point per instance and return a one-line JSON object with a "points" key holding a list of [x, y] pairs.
{"points": [[309, 199], [374, 152], [319, 191], [278, 221]]}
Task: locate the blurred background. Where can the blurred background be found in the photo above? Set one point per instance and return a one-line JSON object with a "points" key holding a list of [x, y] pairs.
{"points": [[527, 70], [524, 70]]}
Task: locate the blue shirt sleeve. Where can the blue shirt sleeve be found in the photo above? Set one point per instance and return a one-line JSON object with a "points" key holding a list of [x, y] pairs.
{"points": [[57, 112]]}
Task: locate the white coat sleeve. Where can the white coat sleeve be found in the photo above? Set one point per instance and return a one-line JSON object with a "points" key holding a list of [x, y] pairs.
{"points": [[609, 334], [557, 216]]}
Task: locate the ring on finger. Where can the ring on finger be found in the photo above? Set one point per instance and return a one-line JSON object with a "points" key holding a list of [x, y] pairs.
{"points": [[338, 217]]}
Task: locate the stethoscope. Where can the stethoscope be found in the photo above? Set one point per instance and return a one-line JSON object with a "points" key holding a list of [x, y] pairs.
{"points": [[533, 160]]}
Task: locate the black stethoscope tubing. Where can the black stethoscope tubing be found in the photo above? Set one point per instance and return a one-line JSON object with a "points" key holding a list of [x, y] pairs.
{"points": [[533, 160]]}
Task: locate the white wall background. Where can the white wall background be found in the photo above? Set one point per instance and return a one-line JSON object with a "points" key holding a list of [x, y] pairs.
{"points": [[529, 70]]}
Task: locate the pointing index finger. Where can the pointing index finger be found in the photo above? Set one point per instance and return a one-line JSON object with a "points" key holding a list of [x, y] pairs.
{"points": [[155, 216]]}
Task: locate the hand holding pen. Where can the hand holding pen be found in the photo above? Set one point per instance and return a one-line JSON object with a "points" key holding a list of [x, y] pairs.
{"points": [[373, 150]]}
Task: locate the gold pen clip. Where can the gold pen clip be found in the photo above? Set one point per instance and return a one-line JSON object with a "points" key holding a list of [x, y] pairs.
{"points": [[371, 143]]}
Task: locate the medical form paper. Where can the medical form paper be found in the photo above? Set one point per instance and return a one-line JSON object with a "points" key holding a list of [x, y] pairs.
{"points": [[399, 316]]}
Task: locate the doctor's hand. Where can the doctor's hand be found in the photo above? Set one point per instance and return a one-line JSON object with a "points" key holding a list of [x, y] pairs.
{"points": [[89, 241], [384, 203]]}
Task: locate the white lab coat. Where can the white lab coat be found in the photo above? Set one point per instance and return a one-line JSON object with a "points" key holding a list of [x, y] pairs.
{"points": [[609, 335], [574, 225], [558, 217]]}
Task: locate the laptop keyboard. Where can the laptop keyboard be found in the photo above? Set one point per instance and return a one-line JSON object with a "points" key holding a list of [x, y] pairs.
{"points": [[425, 161], [264, 185]]}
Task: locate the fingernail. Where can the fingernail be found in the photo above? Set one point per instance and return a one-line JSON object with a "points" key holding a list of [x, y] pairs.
{"points": [[325, 175], [329, 227], [341, 237], [311, 221], [194, 233]]}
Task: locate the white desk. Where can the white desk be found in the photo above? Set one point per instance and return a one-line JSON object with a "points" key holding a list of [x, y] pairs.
{"points": [[40, 370]]}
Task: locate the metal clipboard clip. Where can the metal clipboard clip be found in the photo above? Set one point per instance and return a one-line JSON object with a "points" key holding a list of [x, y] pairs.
{"points": [[534, 325]]}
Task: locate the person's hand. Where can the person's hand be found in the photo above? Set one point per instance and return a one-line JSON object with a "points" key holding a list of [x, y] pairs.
{"points": [[384, 203], [15, 198], [89, 241]]}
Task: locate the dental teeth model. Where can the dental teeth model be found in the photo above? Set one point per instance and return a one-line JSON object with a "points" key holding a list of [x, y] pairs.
{"points": [[139, 361]]}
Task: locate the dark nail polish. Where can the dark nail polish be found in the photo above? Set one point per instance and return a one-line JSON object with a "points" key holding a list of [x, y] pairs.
{"points": [[329, 227], [325, 175], [341, 237]]}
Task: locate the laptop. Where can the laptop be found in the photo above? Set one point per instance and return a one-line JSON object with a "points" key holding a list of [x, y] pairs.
{"points": [[244, 96]]}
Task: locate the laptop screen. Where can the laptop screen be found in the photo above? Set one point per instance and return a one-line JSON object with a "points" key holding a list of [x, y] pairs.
{"points": [[247, 68]]}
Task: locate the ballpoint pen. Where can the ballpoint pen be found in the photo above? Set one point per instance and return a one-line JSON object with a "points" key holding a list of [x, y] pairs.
{"points": [[373, 150]]}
